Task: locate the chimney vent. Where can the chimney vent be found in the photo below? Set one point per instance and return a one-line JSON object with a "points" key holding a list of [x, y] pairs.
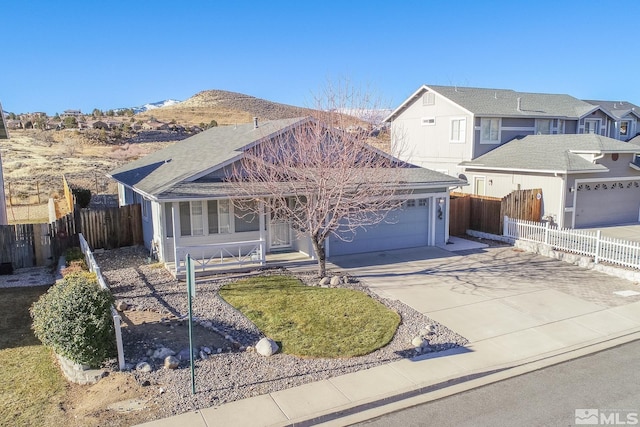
{"points": [[255, 123], [519, 104]]}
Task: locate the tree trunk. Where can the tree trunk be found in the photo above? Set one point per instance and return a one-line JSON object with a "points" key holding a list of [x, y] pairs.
{"points": [[318, 247]]}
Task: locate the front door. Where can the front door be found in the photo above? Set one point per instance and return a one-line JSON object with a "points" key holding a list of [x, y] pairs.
{"points": [[279, 231]]}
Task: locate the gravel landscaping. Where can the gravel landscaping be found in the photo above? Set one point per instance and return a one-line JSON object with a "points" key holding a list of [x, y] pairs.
{"points": [[233, 370]]}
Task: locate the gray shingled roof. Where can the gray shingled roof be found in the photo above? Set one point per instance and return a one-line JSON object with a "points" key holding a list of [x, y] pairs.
{"points": [[412, 177], [165, 168], [617, 109], [550, 153], [173, 172], [504, 102]]}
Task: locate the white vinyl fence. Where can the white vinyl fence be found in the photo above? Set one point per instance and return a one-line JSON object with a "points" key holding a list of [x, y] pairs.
{"points": [[582, 242], [117, 320]]}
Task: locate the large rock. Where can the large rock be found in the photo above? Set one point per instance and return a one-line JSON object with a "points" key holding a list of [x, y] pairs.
{"points": [[335, 281], [143, 367], [122, 306], [266, 347], [184, 354], [171, 362], [419, 342], [325, 281], [162, 353]]}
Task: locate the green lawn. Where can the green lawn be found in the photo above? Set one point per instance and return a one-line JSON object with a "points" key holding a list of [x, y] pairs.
{"points": [[313, 321], [31, 386]]}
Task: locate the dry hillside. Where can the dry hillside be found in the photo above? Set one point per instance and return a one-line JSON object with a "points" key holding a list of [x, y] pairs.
{"points": [[224, 107]]}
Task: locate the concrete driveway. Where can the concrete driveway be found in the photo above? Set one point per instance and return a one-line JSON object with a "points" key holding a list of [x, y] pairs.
{"points": [[487, 293], [625, 232]]}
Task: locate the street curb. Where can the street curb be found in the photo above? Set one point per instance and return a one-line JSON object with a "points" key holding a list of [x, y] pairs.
{"points": [[356, 412]]}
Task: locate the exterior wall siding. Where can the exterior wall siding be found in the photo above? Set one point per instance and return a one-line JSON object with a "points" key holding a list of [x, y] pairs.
{"points": [[428, 145]]}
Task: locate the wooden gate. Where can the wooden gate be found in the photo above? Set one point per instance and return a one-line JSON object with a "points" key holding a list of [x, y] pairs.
{"points": [[17, 245], [485, 214], [112, 228], [523, 204]]}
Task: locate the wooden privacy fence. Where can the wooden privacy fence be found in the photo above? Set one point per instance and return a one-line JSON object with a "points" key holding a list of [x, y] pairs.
{"points": [[485, 214], [30, 245], [113, 227]]}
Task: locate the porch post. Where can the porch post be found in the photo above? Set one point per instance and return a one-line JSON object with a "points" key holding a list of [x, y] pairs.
{"points": [[263, 234], [176, 232]]}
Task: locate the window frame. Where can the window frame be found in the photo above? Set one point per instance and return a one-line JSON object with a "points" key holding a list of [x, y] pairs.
{"points": [[462, 130], [627, 128], [597, 123], [550, 128], [490, 120]]}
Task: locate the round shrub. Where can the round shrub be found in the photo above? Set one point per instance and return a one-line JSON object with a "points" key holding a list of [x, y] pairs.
{"points": [[74, 319], [83, 196]]}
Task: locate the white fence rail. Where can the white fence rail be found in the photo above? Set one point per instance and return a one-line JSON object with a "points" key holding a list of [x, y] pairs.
{"points": [[582, 242], [117, 320], [222, 254]]}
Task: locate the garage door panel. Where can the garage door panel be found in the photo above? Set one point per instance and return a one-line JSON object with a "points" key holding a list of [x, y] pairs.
{"points": [[607, 203], [403, 229]]}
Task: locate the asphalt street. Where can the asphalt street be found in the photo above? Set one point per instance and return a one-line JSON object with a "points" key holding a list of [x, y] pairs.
{"points": [[599, 389]]}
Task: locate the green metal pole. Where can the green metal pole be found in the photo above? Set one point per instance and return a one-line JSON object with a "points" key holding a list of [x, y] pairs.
{"points": [[189, 285]]}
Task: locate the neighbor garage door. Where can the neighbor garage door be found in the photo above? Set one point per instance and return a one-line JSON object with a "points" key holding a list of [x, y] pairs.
{"points": [[607, 203], [408, 228]]}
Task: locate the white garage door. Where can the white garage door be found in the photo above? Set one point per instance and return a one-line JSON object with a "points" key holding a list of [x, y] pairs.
{"points": [[406, 228], [607, 203]]}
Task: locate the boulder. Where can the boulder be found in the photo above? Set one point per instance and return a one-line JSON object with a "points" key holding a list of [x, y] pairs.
{"points": [[266, 347], [122, 306], [184, 354], [335, 281], [171, 362], [325, 281], [143, 367], [162, 353], [418, 342]]}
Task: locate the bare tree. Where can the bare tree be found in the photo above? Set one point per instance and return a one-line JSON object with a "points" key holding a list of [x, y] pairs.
{"points": [[322, 176]]}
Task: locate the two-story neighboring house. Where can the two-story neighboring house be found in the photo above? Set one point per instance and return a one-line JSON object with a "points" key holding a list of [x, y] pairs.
{"points": [[441, 126], [626, 117], [502, 140], [4, 134]]}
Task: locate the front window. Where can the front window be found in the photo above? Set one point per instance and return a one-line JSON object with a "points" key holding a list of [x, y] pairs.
{"points": [[624, 128], [218, 216], [191, 219], [543, 127], [560, 128], [458, 130], [591, 126], [490, 130]]}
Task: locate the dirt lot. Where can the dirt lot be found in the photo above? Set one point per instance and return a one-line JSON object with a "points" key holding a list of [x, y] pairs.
{"points": [[34, 161]]}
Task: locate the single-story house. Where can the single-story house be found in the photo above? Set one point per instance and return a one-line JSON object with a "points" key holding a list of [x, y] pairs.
{"points": [[189, 181], [587, 180]]}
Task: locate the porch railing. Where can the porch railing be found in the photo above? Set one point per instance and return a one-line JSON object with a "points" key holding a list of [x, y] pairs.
{"points": [[221, 254], [582, 242]]}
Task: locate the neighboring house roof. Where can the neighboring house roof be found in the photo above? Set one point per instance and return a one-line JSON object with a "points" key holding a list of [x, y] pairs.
{"points": [[550, 154], [4, 134], [617, 109], [180, 171], [505, 102]]}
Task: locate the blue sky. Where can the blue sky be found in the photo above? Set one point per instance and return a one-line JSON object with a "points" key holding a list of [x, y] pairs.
{"points": [[90, 54]]}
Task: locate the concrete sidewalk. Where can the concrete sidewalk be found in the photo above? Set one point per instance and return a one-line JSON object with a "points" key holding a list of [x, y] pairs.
{"points": [[519, 311]]}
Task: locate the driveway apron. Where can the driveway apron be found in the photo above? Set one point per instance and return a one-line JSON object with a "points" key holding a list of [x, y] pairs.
{"points": [[487, 293]]}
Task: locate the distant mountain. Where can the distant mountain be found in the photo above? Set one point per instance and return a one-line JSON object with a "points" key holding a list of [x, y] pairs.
{"points": [[151, 106]]}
